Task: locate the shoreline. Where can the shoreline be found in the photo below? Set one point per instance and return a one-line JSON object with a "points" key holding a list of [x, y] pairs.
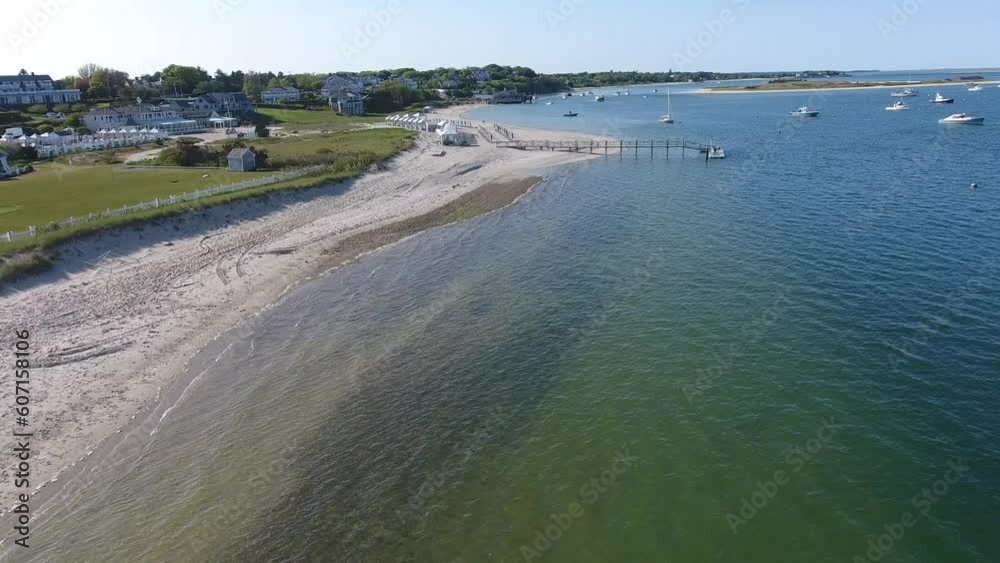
{"points": [[117, 322], [845, 89]]}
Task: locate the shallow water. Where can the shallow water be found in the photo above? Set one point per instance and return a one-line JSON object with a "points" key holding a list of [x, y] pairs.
{"points": [[824, 304]]}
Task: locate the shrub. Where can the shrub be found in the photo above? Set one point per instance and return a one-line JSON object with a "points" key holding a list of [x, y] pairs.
{"points": [[18, 153], [38, 109], [61, 108]]}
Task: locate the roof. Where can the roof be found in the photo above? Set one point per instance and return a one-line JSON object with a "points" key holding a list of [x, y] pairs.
{"points": [[280, 89], [25, 78], [240, 152]]}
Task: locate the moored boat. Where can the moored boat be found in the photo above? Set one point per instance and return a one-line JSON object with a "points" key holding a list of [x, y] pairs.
{"points": [[939, 99], [804, 111], [570, 114], [963, 119], [897, 106]]}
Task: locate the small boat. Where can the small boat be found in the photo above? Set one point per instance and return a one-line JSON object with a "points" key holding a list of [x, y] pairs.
{"points": [[804, 111], [668, 118], [548, 103], [618, 93], [628, 93], [655, 90], [904, 93], [599, 99], [976, 87], [939, 99], [963, 119], [715, 152], [897, 106], [570, 114]]}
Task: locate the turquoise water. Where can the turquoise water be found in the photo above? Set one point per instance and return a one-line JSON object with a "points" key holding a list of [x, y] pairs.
{"points": [[758, 360]]}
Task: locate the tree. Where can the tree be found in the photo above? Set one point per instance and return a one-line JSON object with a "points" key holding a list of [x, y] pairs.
{"points": [[107, 83], [184, 78], [87, 70], [262, 131]]}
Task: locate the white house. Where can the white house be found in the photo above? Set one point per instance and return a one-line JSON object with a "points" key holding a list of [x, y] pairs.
{"points": [[143, 115], [334, 84], [449, 135], [349, 103], [408, 82], [280, 95], [34, 89]]}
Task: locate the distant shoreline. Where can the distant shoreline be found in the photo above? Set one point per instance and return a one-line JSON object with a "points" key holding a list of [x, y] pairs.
{"points": [[873, 86]]}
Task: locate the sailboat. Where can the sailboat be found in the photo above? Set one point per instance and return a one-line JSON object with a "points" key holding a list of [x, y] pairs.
{"points": [[668, 118]]}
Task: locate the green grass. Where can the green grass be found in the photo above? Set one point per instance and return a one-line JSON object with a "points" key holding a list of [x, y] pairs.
{"points": [[55, 191], [325, 119]]}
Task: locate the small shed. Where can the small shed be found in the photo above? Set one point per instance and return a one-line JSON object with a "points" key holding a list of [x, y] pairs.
{"points": [[242, 160]]}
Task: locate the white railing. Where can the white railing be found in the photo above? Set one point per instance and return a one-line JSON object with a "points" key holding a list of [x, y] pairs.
{"points": [[11, 236]]}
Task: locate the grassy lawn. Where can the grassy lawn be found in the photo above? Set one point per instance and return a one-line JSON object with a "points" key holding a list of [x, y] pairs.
{"points": [[55, 191], [318, 149], [325, 119]]}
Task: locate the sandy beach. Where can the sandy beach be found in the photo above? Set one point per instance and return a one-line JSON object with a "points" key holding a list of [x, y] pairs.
{"points": [[121, 314], [872, 87]]}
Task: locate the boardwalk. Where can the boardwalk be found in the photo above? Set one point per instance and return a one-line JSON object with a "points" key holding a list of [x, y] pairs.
{"points": [[621, 147]]}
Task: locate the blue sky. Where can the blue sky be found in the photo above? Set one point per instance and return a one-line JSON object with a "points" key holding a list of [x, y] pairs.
{"points": [[141, 36]]}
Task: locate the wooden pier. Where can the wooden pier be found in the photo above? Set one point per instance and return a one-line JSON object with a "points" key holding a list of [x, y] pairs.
{"points": [[636, 147]]}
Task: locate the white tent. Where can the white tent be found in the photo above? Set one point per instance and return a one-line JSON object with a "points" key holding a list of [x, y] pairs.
{"points": [[449, 135]]}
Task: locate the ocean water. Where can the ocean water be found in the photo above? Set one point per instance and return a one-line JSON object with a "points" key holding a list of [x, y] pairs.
{"points": [[779, 357]]}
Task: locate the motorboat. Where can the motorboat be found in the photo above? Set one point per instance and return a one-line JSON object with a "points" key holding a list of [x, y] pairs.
{"points": [[716, 152], [600, 99], [939, 99], [963, 119], [570, 114], [976, 87], [804, 111], [897, 106], [548, 103], [904, 93]]}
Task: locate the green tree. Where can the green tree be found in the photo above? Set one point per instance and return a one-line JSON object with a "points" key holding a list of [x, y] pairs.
{"points": [[183, 78]]}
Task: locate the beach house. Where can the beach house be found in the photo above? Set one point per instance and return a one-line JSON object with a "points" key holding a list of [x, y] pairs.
{"points": [[333, 85], [28, 89], [164, 118], [348, 103], [242, 160], [280, 95]]}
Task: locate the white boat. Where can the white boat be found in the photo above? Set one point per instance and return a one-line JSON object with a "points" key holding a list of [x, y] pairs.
{"points": [[715, 152], [655, 90], [976, 88], [548, 103], [904, 93], [668, 118], [600, 99], [897, 106], [939, 99], [570, 114], [963, 119], [804, 111]]}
